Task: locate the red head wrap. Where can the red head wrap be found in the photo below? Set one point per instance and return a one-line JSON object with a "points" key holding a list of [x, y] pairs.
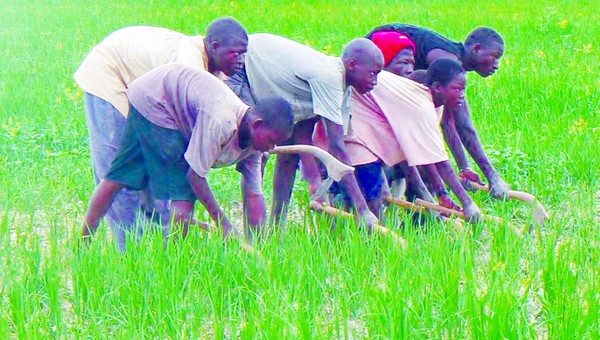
{"points": [[390, 43]]}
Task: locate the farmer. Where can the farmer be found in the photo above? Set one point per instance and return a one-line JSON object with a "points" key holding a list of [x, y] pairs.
{"points": [[397, 122], [398, 52], [119, 59], [317, 87], [184, 121], [481, 53]]}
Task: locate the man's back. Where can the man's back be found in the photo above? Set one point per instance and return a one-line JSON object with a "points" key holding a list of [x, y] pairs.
{"points": [[425, 40], [130, 52], [311, 81]]}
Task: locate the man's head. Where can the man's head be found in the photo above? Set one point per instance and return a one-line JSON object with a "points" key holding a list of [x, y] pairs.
{"points": [[398, 52], [419, 76], [447, 80], [271, 122], [483, 49], [226, 43], [363, 62]]}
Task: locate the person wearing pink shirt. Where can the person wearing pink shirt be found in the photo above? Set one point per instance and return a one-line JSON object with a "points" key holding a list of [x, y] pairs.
{"points": [[397, 122]]}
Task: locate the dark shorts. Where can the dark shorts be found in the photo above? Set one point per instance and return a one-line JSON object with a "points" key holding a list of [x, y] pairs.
{"points": [[394, 173], [369, 180], [151, 157]]}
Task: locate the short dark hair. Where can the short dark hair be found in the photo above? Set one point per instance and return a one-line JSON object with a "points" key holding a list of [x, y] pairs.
{"points": [[443, 71], [420, 76], [276, 112], [483, 36], [223, 29]]}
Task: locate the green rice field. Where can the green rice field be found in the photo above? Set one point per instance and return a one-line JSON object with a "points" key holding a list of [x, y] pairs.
{"points": [[538, 118]]}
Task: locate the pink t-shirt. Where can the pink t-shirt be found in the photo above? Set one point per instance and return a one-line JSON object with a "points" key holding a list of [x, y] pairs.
{"points": [[396, 121], [205, 110]]}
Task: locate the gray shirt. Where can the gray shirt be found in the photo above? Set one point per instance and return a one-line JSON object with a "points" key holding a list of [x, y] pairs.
{"points": [[311, 81]]}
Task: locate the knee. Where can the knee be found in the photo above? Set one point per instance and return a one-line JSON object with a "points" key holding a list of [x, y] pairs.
{"points": [[181, 211]]}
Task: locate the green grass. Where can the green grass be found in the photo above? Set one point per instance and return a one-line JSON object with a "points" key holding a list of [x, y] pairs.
{"points": [[538, 117]]}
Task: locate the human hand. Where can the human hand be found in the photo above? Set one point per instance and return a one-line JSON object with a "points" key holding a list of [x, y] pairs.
{"points": [[473, 214], [86, 237], [466, 175], [228, 230], [499, 189], [446, 201], [368, 218]]}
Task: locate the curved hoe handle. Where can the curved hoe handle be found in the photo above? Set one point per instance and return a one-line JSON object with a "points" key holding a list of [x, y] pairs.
{"points": [[520, 195], [539, 212], [457, 223], [335, 169]]}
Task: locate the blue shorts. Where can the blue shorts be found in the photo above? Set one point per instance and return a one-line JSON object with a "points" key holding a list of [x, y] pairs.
{"points": [[369, 180]]}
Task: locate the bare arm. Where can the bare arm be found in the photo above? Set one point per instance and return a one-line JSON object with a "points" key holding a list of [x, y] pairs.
{"points": [[447, 173], [206, 197], [430, 172], [453, 139], [255, 208], [415, 180], [437, 53], [470, 139], [337, 149], [471, 210]]}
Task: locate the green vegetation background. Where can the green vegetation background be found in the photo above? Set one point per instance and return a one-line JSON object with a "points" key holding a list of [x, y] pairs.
{"points": [[538, 118]]}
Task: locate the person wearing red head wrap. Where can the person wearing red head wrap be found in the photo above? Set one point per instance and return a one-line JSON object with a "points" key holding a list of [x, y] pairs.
{"points": [[398, 52], [481, 52]]}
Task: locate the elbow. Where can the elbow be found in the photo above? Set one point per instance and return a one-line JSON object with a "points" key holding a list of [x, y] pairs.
{"points": [[191, 175]]}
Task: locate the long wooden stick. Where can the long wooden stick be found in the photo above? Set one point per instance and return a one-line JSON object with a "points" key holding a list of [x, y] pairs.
{"points": [[539, 212], [457, 223], [378, 228], [460, 214], [453, 212]]}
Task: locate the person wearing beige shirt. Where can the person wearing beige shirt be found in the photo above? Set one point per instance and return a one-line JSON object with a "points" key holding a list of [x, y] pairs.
{"points": [[184, 121], [119, 59]]}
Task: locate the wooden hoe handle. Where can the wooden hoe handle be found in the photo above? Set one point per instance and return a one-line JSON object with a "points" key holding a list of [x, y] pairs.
{"points": [[318, 206]]}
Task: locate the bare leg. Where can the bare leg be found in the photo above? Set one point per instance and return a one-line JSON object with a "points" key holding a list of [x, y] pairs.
{"points": [[375, 205], [283, 182], [102, 198], [285, 171], [255, 215]]}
